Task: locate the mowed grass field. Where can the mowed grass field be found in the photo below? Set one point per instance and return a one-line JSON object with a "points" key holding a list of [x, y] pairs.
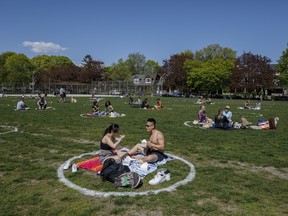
{"points": [[238, 172]]}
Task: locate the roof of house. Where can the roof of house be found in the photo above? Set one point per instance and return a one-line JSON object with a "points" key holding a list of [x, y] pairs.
{"points": [[155, 79]]}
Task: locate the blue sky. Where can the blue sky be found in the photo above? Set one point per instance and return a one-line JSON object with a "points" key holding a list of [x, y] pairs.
{"points": [[112, 29]]}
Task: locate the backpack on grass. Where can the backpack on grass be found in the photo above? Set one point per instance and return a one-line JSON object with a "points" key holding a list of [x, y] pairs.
{"points": [[119, 174], [111, 169]]}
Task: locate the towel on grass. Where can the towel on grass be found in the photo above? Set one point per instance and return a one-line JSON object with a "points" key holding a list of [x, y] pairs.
{"points": [[144, 169], [92, 164]]}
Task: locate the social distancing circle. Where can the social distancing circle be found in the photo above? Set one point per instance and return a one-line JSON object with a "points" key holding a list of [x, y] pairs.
{"points": [[188, 123], [89, 192], [8, 129]]}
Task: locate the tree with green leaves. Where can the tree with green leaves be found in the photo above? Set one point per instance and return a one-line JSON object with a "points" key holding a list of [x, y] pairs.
{"points": [[19, 68], [60, 60], [42, 64], [136, 63], [3, 71], [282, 69], [209, 76], [210, 71], [252, 73], [46, 66], [215, 51], [151, 67], [119, 71]]}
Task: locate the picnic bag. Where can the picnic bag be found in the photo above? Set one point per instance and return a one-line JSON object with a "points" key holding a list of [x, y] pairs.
{"points": [[111, 170]]}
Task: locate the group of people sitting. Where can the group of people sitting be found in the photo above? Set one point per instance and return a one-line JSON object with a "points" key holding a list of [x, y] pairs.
{"points": [[145, 104], [204, 101], [223, 119], [109, 110], [151, 151], [42, 103], [97, 112], [247, 105]]}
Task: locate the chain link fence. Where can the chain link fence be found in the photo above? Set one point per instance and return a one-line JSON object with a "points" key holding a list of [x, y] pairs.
{"points": [[101, 88]]}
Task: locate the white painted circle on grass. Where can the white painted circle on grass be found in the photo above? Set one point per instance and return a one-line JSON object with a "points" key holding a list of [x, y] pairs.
{"points": [[94, 193], [187, 123], [11, 129]]}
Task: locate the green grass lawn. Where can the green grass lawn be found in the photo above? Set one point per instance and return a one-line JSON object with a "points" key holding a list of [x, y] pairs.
{"points": [[238, 172]]}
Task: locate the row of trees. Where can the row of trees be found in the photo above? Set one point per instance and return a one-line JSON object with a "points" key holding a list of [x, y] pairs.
{"points": [[15, 68], [215, 68], [211, 69]]}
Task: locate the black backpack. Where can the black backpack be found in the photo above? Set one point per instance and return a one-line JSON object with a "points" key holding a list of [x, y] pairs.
{"points": [[111, 170]]}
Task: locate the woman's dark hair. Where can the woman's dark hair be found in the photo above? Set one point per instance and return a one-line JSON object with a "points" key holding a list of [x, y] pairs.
{"points": [[112, 127], [107, 103], [218, 114]]}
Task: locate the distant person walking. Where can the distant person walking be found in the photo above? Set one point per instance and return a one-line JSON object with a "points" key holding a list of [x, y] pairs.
{"points": [[62, 95]]}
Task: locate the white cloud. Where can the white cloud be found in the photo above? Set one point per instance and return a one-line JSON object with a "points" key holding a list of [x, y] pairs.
{"points": [[43, 47]]}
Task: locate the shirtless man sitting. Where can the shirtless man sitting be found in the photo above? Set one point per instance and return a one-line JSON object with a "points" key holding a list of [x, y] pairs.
{"points": [[154, 150]]}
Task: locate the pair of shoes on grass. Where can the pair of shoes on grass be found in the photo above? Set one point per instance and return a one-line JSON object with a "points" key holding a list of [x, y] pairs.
{"points": [[161, 176], [67, 166]]}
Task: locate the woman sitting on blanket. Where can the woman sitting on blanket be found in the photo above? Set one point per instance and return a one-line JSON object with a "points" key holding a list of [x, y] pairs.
{"points": [[109, 144], [159, 105], [145, 104], [95, 108], [108, 107], [202, 118], [247, 104]]}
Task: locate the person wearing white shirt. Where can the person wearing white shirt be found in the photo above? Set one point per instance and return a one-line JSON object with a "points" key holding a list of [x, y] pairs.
{"points": [[21, 105]]}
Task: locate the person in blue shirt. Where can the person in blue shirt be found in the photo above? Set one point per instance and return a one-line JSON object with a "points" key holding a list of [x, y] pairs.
{"points": [[228, 115]]}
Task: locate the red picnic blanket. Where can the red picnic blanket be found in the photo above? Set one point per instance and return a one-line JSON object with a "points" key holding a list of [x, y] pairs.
{"points": [[92, 164]]}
